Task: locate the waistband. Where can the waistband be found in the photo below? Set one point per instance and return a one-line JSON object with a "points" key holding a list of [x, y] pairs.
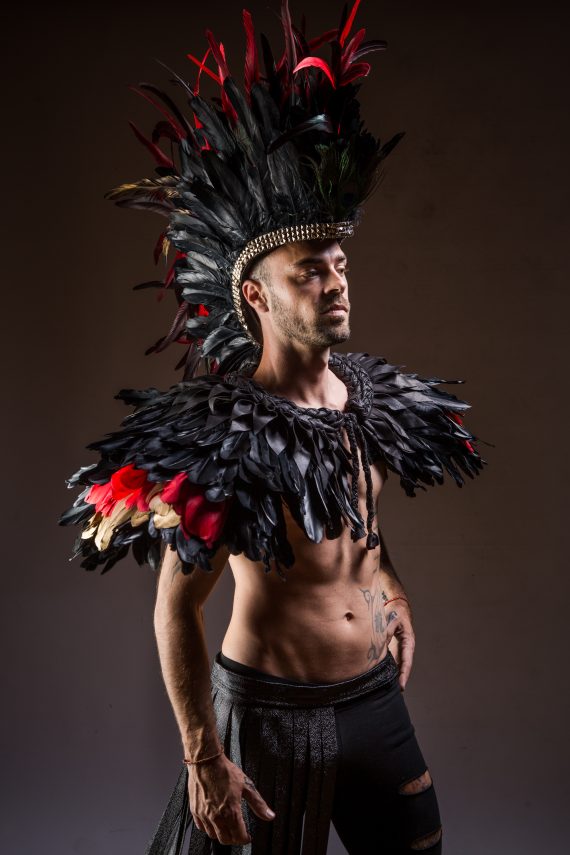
{"points": [[240, 668], [252, 690]]}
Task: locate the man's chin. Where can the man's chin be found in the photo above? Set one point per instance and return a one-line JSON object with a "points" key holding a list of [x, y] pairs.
{"points": [[337, 336]]}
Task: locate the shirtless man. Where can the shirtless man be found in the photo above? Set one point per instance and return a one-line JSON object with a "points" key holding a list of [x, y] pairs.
{"points": [[328, 622]]}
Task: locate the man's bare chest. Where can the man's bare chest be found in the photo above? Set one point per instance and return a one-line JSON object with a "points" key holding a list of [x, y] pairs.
{"points": [[329, 552]]}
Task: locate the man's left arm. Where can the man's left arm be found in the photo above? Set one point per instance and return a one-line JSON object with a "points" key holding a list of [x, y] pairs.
{"points": [[398, 614]]}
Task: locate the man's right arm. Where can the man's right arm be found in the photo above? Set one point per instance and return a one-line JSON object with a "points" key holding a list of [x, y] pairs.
{"points": [[179, 629], [216, 787]]}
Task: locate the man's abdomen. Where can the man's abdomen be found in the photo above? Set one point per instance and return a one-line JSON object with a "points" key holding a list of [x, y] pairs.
{"points": [[326, 622]]}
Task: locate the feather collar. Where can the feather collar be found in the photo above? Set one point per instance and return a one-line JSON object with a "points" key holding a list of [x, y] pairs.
{"points": [[213, 459]]}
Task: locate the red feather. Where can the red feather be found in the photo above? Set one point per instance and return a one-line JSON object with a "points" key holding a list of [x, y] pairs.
{"points": [[290, 52], [176, 328], [220, 57], [251, 71], [457, 418], [349, 23], [157, 251], [156, 152], [322, 39], [181, 133], [303, 49], [217, 50], [368, 47], [352, 47], [316, 62], [202, 68], [164, 129], [356, 70], [168, 279]]}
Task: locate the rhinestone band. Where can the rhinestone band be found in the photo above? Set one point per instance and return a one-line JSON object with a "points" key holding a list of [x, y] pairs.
{"points": [[271, 240]]}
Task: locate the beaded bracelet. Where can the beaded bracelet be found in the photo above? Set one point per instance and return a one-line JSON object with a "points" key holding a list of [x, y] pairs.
{"points": [[202, 759], [396, 598]]}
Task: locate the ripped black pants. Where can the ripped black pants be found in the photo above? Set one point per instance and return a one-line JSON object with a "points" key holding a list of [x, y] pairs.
{"points": [[384, 800], [344, 753]]}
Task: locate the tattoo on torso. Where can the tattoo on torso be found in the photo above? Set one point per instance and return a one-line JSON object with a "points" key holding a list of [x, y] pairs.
{"points": [[375, 603]]}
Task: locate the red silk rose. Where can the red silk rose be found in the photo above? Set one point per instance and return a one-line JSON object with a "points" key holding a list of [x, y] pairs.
{"points": [[101, 495], [126, 483], [198, 516]]}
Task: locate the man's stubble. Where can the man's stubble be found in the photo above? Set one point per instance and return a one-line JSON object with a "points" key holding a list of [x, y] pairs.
{"points": [[318, 331]]}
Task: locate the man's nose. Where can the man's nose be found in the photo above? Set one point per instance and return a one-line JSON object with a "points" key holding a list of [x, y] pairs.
{"points": [[335, 281]]}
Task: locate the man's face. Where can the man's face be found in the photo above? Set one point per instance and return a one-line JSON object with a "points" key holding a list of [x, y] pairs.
{"points": [[306, 279]]}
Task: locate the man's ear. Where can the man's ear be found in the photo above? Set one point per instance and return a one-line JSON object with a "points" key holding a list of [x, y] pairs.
{"points": [[253, 294]]}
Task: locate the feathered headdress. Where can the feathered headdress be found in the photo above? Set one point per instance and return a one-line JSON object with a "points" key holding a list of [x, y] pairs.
{"points": [[285, 159]]}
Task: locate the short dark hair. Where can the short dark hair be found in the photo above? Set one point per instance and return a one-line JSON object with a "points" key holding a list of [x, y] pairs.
{"points": [[257, 269]]}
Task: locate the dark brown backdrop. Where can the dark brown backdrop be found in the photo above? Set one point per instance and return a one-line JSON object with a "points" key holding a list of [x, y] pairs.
{"points": [[459, 270]]}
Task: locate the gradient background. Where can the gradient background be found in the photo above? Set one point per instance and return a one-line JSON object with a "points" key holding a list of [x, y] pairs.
{"points": [[459, 270]]}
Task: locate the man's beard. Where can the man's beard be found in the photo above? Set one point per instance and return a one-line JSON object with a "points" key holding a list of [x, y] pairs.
{"points": [[319, 333]]}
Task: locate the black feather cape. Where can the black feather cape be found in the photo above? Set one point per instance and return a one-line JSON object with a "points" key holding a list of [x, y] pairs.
{"points": [[240, 452]]}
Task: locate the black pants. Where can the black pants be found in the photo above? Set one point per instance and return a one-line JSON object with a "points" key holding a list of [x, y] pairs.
{"points": [[374, 812]]}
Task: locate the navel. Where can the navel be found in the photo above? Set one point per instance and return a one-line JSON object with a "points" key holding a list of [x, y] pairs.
{"points": [[349, 615]]}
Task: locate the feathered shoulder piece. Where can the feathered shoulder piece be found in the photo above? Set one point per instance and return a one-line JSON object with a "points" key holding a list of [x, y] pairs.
{"points": [[213, 461]]}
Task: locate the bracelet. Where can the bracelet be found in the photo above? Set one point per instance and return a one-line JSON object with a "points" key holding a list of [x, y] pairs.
{"points": [[396, 598], [202, 759]]}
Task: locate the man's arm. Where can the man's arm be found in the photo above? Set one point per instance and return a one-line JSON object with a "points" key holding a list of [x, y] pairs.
{"points": [[215, 787], [398, 615], [181, 641]]}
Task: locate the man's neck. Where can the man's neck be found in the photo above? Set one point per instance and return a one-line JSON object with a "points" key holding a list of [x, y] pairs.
{"points": [[301, 377]]}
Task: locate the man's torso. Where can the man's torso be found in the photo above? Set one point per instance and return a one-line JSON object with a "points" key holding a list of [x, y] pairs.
{"points": [[326, 622]]}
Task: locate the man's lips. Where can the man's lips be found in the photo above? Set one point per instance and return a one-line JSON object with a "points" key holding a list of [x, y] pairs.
{"points": [[336, 307]]}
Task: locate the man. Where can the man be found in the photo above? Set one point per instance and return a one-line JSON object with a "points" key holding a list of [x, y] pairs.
{"points": [[327, 624], [273, 460]]}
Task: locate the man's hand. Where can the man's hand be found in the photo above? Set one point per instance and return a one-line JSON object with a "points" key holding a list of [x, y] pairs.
{"points": [[215, 790], [401, 638]]}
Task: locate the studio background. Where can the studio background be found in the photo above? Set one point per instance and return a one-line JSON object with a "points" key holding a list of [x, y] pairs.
{"points": [[459, 270]]}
